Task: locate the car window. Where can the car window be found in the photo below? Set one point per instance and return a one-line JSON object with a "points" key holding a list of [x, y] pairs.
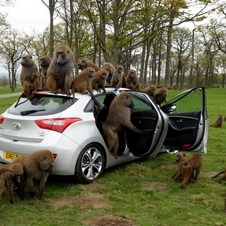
{"points": [[40, 105], [141, 102], [188, 102]]}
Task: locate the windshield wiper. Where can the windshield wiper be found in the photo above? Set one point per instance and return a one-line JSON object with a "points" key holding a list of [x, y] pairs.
{"points": [[30, 111]]}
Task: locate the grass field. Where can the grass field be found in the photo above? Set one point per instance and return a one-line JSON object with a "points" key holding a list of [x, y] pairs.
{"points": [[140, 193]]}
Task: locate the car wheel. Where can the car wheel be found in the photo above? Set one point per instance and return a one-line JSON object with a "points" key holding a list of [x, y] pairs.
{"points": [[90, 164]]}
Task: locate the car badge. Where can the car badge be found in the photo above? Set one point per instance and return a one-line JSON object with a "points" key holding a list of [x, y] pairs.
{"points": [[15, 126]]}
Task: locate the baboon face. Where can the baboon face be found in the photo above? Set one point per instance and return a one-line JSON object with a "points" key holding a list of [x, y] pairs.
{"points": [[26, 60], [90, 72], [82, 64], [132, 74], [18, 171], [119, 69], [62, 55], [103, 74], [179, 156], [44, 61]]}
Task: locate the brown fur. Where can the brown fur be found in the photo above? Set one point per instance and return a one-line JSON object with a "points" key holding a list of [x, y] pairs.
{"points": [[37, 166], [29, 67], [44, 63], [4, 168], [84, 63], [218, 122], [110, 68], [30, 85], [60, 71], [98, 80], [10, 180], [132, 81], [223, 177], [160, 96], [82, 82], [150, 90], [180, 156], [189, 169], [116, 80], [118, 117]]}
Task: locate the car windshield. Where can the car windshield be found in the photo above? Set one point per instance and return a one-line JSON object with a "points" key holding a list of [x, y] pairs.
{"points": [[40, 105]]}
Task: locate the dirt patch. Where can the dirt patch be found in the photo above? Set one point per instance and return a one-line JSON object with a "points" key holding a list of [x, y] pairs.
{"points": [[170, 166], [85, 200], [210, 174], [156, 186], [93, 186], [109, 220]]}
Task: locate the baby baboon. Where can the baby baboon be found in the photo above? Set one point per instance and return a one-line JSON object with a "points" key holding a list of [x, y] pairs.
{"points": [[224, 176], [160, 96], [218, 122], [180, 156], [82, 82], [84, 63], [30, 85], [110, 68], [11, 180], [150, 90], [44, 63], [132, 81], [189, 169], [98, 80], [117, 118], [60, 71], [116, 80], [37, 166], [29, 67]]}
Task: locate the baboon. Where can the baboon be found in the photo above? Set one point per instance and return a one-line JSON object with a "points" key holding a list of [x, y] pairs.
{"points": [[225, 118], [44, 63], [37, 166], [30, 85], [150, 90], [98, 80], [160, 96], [132, 81], [224, 176], [84, 63], [218, 122], [189, 169], [4, 168], [110, 68], [29, 67], [60, 71], [117, 118], [116, 80], [180, 156], [11, 180], [82, 82]]}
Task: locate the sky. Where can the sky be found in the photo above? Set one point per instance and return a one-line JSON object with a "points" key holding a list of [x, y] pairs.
{"points": [[27, 15]]}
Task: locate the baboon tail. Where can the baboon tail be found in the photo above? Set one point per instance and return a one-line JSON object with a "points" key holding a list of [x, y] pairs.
{"points": [[218, 174]]}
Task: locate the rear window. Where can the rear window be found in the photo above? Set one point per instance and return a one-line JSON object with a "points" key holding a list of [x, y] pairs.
{"points": [[40, 105]]}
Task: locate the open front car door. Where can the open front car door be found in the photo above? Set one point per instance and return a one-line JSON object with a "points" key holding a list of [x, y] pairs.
{"points": [[188, 121]]}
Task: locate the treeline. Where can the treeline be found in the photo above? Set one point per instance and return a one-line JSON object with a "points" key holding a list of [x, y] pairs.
{"points": [[149, 36]]}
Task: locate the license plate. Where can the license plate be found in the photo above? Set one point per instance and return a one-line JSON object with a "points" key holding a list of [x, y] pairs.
{"points": [[10, 156]]}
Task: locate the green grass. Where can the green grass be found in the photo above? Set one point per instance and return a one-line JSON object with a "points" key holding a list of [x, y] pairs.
{"points": [[6, 90], [141, 191]]}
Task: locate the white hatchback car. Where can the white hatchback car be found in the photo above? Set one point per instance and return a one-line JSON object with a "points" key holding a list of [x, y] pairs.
{"points": [[69, 130]]}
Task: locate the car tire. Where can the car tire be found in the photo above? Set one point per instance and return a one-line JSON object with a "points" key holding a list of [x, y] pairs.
{"points": [[90, 164]]}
